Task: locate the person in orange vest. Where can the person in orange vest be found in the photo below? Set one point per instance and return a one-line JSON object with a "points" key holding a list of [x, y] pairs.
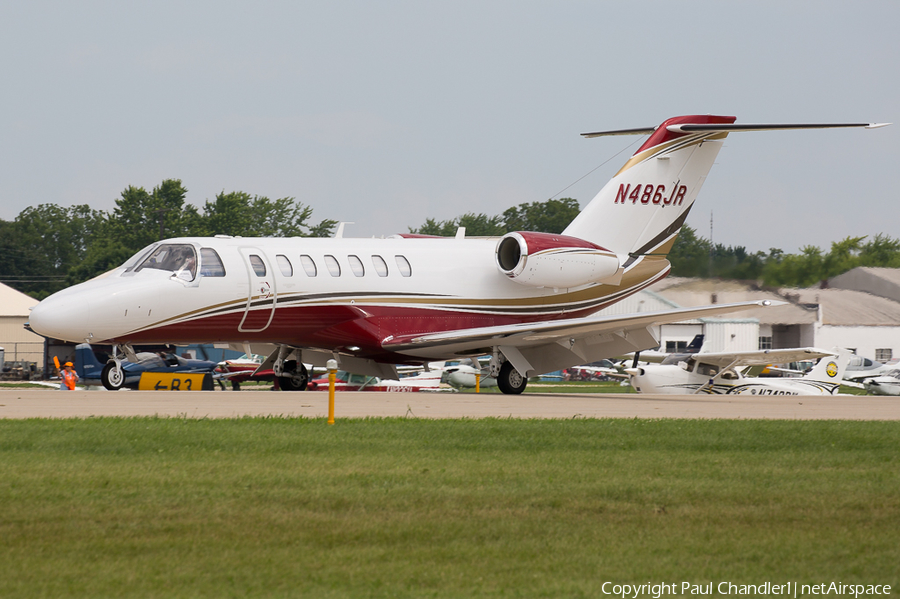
{"points": [[68, 377]]}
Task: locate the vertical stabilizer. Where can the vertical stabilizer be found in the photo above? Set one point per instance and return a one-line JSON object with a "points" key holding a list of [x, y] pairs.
{"points": [[830, 369], [642, 208], [86, 364]]}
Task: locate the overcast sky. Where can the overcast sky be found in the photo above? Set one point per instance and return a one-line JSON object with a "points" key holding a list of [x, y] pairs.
{"points": [[386, 113]]}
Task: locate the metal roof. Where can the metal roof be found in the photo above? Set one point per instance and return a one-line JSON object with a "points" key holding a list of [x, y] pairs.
{"points": [[844, 307], [15, 303], [840, 307]]}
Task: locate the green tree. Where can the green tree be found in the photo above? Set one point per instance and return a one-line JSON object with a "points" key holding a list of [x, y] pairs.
{"points": [[690, 254], [44, 243], [140, 216], [239, 213], [880, 251], [477, 225], [552, 216]]}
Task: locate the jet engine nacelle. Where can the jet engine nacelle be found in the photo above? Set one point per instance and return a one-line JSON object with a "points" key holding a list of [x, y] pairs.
{"points": [[558, 261]]}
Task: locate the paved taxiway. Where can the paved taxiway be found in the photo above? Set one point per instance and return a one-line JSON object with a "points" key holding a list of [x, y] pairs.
{"points": [[52, 403]]}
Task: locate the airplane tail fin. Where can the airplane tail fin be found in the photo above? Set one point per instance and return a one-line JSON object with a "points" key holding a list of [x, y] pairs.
{"points": [[86, 364], [695, 345], [830, 369], [641, 209]]}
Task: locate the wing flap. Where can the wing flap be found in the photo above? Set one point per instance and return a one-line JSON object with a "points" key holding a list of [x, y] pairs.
{"points": [[545, 333]]}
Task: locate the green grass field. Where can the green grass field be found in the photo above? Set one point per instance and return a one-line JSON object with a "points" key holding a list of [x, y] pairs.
{"points": [[153, 507]]}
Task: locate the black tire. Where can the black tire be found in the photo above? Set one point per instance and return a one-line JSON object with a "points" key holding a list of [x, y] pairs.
{"points": [[235, 386], [112, 378], [297, 380], [510, 381]]}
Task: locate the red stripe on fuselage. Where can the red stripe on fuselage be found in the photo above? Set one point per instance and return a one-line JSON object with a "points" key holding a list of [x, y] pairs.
{"points": [[337, 327]]}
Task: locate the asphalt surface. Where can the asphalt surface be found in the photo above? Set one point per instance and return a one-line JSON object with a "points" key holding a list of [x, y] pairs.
{"points": [[52, 403]]}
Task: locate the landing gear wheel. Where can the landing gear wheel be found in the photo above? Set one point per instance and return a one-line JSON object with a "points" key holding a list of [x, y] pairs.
{"points": [[296, 379], [112, 377], [510, 381], [235, 386]]}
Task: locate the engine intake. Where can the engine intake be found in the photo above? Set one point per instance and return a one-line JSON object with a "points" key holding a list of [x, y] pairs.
{"points": [[558, 261]]}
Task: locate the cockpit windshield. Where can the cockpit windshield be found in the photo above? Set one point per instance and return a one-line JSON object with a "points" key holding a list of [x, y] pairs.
{"points": [[179, 258], [676, 358]]}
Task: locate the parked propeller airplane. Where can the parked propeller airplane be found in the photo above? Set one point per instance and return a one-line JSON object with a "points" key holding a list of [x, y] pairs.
{"points": [[527, 299], [722, 373]]}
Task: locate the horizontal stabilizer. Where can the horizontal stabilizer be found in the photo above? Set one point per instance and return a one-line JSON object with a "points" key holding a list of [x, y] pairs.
{"points": [[733, 127]]}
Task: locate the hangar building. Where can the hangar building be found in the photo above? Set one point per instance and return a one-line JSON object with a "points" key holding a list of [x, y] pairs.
{"points": [[850, 317], [18, 344]]}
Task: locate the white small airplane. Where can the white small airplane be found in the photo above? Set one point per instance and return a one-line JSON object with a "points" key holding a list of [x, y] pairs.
{"points": [[861, 369], [722, 373], [462, 376], [527, 299], [886, 383]]}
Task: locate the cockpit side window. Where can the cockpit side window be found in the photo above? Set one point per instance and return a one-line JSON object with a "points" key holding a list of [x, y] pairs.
{"points": [[210, 263], [707, 369], [179, 258]]}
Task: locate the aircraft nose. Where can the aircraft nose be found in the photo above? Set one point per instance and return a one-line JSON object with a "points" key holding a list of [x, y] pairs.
{"points": [[62, 319]]}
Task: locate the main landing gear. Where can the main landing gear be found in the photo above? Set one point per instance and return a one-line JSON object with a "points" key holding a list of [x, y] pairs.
{"points": [[291, 374], [295, 376], [509, 380]]}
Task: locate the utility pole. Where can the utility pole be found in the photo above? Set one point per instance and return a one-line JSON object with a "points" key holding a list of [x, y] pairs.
{"points": [[711, 245]]}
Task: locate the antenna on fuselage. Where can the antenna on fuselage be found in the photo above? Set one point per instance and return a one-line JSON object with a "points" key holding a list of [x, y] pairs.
{"points": [[339, 234]]}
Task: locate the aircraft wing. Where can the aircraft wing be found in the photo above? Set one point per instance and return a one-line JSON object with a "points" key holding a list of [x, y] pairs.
{"points": [[762, 357], [538, 347]]}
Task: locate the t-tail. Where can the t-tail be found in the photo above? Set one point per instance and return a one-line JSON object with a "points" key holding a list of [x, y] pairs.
{"points": [[643, 207]]}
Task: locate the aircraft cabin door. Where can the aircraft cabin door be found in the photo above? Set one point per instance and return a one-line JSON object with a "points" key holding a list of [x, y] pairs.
{"points": [[262, 295]]}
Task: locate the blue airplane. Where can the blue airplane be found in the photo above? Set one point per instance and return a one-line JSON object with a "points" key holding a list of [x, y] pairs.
{"points": [[92, 372]]}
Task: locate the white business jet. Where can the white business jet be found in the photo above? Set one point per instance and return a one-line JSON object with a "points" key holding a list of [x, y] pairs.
{"points": [[722, 373], [527, 299]]}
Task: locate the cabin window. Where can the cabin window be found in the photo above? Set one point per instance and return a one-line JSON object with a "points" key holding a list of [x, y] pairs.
{"points": [[179, 258], [259, 267], [707, 369], [210, 263], [380, 266], [403, 265], [356, 265], [333, 267], [309, 266], [285, 265]]}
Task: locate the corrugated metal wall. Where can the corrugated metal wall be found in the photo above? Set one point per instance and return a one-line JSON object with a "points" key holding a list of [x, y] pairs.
{"points": [[731, 336]]}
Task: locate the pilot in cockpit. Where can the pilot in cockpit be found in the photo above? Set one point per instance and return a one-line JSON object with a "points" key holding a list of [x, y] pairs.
{"points": [[188, 267]]}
